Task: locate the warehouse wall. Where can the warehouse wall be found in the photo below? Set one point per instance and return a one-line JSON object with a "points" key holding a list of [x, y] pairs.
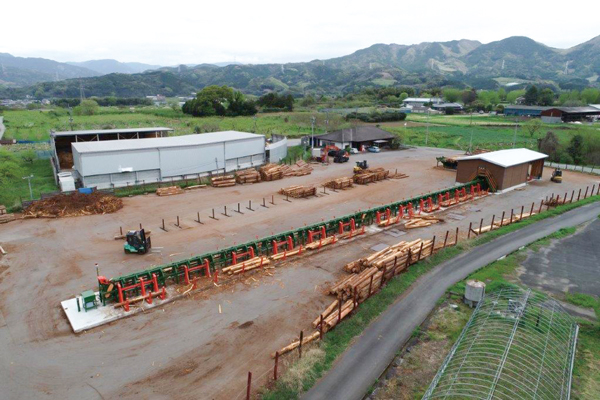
{"points": [[106, 169], [278, 150]]}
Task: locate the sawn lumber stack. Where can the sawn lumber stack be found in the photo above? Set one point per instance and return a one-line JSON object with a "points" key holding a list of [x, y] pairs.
{"points": [[247, 176], [169, 191], [223, 181], [340, 183], [371, 175], [299, 191], [4, 216]]}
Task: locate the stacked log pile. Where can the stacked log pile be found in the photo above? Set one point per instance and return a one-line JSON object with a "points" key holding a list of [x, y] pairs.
{"points": [[223, 181], [501, 222], [299, 191], [4, 216], [371, 175], [271, 172], [248, 265], [317, 244], [247, 176], [300, 168], [169, 191], [340, 183], [73, 205]]}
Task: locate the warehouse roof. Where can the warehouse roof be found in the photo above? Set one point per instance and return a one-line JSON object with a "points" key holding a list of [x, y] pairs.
{"points": [[153, 143], [577, 110], [111, 131], [364, 133], [520, 107], [507, 158]]}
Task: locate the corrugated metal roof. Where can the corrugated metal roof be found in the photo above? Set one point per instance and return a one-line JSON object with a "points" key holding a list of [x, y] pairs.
{"points": [[153, 143], [111, 131], [595, 106], [519, 107], [365, 133], [576, 110], [507, 158]]}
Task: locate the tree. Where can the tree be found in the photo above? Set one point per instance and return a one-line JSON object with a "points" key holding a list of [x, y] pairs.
{"points": [[590, 96], [403, 96], [532, 95], [274, 100], [513, 95], [549, 145], [502, 94], [546, 97], [575, 148], [451, 95], [533, 126], [219, 100], [468, 96], [86, 107]]}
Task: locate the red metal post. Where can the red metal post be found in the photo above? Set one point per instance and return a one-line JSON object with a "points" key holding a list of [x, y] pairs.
{"points": [[480, 225], [300, 346], [469, 234], [492, 225], [321, 328], [586, 192], [456, 240], [579, 194], [276, 363], [446, 239]]}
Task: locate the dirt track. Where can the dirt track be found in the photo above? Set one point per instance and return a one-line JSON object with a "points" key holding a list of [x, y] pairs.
{"points": [[189, 350]]}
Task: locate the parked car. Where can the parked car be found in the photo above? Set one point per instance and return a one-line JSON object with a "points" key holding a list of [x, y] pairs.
{"points": [[373, 149], [353, 150]]}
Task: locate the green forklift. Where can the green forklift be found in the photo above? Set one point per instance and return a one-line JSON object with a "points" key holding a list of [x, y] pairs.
{"points": [[137, 242]]}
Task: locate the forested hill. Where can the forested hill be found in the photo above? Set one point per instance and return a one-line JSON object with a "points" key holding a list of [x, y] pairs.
{"points": [[457, 63]]}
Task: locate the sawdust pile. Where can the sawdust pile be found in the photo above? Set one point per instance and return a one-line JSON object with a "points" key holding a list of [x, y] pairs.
{"points": [[73, 205]]}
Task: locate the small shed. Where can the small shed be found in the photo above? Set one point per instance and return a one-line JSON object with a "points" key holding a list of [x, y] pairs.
{"points": [[357, 137], [506, 169]]}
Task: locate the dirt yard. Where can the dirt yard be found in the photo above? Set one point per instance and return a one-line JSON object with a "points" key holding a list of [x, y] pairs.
{"points": [[188, 350]]}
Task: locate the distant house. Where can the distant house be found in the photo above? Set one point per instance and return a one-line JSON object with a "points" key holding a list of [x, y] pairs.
{"points": [[595, 106], [520, 100], [448, 107], [570, 114], [524, 111], [420, 101], [365, 135]]}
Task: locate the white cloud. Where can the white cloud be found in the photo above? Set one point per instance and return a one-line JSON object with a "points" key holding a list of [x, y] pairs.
{"points": [[167, 33]]}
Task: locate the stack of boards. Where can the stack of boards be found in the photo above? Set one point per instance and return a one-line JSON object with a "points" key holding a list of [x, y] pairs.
{"points": [[299, 192], [169, 191], [223, 181]]}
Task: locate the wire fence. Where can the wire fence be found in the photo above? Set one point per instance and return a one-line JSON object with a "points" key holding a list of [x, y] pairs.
{"points": [[577, 168]]}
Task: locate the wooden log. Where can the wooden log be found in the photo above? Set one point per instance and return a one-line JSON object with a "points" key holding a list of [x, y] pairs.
{"points": [[296, 344], [325, 313]]}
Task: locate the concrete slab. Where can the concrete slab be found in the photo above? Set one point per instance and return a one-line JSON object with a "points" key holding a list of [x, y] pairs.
{"points": [[394, 232], [379, 247], [84, 320]]}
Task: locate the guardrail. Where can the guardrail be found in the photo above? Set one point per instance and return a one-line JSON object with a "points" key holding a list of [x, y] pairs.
{"points": [[576, 168]]}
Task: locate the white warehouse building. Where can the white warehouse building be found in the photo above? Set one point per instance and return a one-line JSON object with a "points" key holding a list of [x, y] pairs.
{"points": [[117, 163]]}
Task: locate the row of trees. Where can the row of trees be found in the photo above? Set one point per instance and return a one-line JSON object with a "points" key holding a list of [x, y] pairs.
{"points": [[220, 101], [275, 101], [106, 101], [581, 149]]}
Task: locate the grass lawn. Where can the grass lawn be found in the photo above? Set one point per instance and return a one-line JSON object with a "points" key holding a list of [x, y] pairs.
{"points": [[14, 189]]}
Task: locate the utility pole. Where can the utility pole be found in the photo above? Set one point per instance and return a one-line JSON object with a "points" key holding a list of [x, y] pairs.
{"points": [[515, 137], [71, 117], [29, 181], [427, 132], [471, 139], [312, 141]]}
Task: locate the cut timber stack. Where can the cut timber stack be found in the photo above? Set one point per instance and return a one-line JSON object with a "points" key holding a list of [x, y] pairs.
{"points": [[299, 192], [4, 216], [271, 172], [421, 222], [371, 175], [169, 191], [340, 183], [299, 169], [247, 176], [248, 265], [321, 242], [223, 181]]}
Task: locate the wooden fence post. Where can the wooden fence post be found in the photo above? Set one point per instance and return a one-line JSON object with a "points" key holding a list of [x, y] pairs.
{"points": [[249, 387]]}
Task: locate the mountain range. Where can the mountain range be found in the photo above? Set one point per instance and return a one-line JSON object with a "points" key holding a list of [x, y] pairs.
{"points": [[459, 63]]}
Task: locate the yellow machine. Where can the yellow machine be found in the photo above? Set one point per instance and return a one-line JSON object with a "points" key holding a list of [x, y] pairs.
{"points": [[360, 166], [556, 175]]}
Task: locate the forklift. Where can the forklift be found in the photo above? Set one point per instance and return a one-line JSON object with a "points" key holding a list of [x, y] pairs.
{"points": [[556, 175], [361, 166], [137, 242]]}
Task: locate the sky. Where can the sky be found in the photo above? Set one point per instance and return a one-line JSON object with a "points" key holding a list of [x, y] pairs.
{"points": [[257, 32]]}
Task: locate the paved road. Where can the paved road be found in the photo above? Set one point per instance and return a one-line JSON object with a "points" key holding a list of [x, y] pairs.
{"points": [[365, 361]]}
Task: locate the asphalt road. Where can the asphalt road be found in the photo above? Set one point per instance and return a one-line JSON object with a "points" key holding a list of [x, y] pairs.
{"points": [[367, 358]]}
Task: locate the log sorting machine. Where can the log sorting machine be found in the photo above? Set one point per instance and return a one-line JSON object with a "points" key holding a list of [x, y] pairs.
{"points": [[151, 282]]}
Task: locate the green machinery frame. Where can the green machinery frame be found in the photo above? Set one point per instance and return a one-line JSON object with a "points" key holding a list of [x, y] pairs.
{"points": [[222, 258]]}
